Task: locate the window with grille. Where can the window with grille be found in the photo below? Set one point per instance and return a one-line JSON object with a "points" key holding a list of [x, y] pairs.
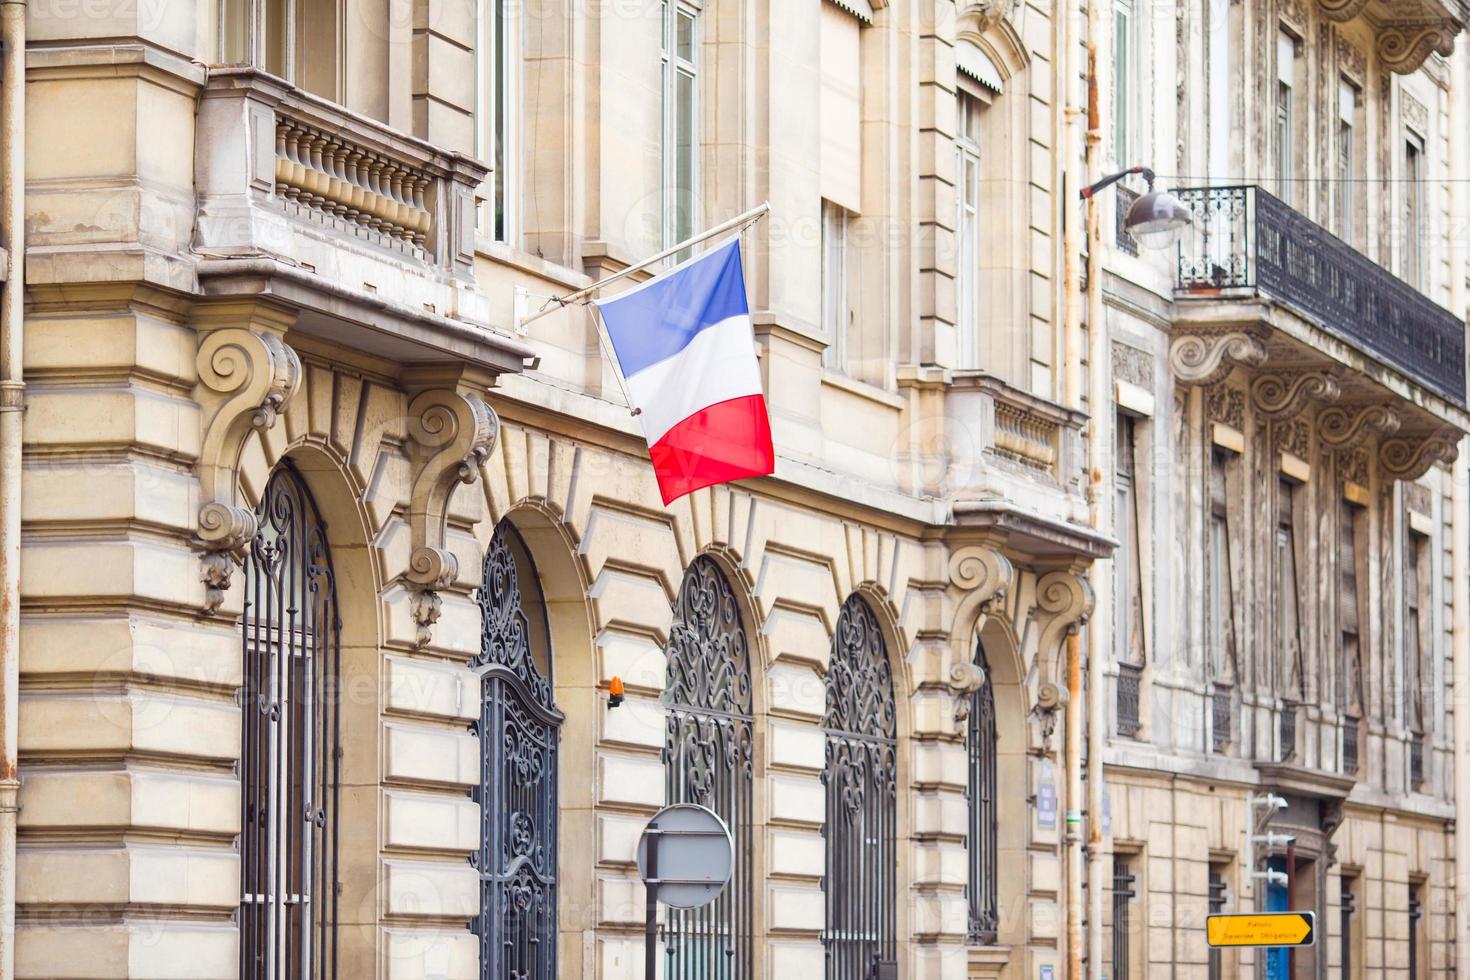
{"points": [[860, 885], [289, 725], [708, 760], [1123, 896], [519, 731], [982, 846]]}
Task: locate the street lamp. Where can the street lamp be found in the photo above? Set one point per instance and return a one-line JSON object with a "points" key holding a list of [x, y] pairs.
{"points": [[1155, 220]]}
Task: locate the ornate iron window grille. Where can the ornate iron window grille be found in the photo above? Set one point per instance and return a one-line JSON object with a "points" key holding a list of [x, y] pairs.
{"points": [[708, 760], [862, 801], [289, 634], [1287, 724], [1220, 717], [1244, 237], [1416, 760], [1125, 198], [1350, 744], [519, 728], [1130, 680], [984, 859], [1123, 896]]}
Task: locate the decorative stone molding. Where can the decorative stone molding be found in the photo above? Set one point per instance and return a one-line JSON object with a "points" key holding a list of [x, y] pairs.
{"points": [[450, 433], [985, 573], [1068, 598], [1341, 11], [1294, 12], [1202, 359], [985, 14], [964, 680], [1281, 395], [1416, 115], [1350, 60], [1409, 457], [1402, 48], [1133, 365], [247, 375], [1292, 436], [1226, 404], [1352, 467], [1346, 427]]}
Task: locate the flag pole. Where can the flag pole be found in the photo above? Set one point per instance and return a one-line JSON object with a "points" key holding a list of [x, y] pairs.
{"points": [[559, 302]]}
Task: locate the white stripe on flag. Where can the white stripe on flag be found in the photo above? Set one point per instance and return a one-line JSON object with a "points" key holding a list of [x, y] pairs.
{"points": [[717, 365]]}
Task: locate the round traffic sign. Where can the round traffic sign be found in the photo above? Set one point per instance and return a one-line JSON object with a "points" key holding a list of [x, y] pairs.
{"points": [[694, 855]]}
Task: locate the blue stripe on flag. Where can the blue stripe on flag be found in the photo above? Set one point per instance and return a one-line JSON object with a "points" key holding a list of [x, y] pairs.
{"points": [[657, 319]]}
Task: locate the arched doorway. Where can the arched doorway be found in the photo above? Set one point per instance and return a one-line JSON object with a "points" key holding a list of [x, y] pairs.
{"points": [[290, 640], [708, 759], [861, 776], [519, 728]]}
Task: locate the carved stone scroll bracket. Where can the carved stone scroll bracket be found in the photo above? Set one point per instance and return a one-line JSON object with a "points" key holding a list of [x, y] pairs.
{"points": [[1409, 457], [247, 376], [984, 573], [1345, 427], [1403, 48], [1068, 598], [1202, 359], [451, 432], [1282, 395], [964, 680]]}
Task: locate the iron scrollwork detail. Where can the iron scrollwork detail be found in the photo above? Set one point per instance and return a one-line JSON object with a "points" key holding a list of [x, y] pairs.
{"points": [[861, 777], [519, 727], [708, 755]]}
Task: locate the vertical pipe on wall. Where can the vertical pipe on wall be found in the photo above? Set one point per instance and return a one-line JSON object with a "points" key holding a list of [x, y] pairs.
{"points": [[12, 388], [1460, 518]]}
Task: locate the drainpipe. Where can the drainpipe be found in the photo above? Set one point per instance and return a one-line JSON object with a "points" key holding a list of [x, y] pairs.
{"points": [[1100, 503], [12, 388], [1071, 184], [1460, 212]]}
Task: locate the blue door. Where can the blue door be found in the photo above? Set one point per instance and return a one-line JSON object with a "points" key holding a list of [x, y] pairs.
{"points": [[1278, 958]]}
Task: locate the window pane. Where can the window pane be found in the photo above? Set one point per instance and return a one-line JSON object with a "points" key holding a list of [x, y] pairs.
{"points": [[276, 28], [684, 157], [685, 36], [234, 32]]}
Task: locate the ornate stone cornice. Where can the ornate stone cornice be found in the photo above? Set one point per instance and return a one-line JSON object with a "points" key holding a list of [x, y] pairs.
{"points": [[1346, 427], [450, 433], [1202, 359], [247, 376], [1280, 395], [1409, 457], [983, 572]]}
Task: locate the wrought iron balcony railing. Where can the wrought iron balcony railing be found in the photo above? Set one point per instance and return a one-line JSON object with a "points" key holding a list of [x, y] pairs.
{"points": [[1245, 238]]}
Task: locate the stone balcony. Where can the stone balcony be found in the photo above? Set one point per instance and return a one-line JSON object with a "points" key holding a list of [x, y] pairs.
{"points": [[368, 229]]}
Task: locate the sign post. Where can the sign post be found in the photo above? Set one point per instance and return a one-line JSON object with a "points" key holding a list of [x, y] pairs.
{"points": [[1262, 929], [685, 858]]}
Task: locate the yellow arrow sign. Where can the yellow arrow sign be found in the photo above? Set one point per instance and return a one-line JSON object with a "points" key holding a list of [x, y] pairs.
{"points": [[1262, 929]]}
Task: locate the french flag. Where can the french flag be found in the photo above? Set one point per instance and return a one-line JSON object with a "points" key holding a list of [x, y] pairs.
{"points": [[683, 340]]}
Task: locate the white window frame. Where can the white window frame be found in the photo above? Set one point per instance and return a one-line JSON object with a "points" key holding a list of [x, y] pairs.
{"points": [[967, 228], [671, 68], [1125, 94], [1286, 56], [496, 45], [1413, 204], [836, 303], [1347, 191]]}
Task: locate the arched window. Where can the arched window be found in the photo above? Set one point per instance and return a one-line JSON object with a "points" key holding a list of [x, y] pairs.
{"points": [[288, 746], [518, 729], [862, 802], [980, 741], [707, 760]]}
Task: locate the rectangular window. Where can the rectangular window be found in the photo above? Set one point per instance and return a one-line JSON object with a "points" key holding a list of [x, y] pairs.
{"points": [[1288, 638], [1350, 651], [1346, 190], [1219, 902], [1416, 632], [1348, 929], [1218, 619], [836, 309], [1124, 58], [1285, 114], [1413, 270], [1128, 625], [495, 134], [1418, 944], [1124, 884], [680, 107], [840, 118], [967, 143]]}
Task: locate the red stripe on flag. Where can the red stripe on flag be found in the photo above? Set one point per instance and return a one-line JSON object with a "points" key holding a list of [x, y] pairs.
{"points": [[727, 441]]}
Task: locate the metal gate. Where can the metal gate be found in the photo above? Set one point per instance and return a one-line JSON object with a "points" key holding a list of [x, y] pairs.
{"points": [[518, 729], [707, 760], [980, 741], [288, 762], [862, 802]]}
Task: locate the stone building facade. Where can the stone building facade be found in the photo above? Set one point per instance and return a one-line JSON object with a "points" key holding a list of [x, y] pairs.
{"points": [[327, 565]]}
